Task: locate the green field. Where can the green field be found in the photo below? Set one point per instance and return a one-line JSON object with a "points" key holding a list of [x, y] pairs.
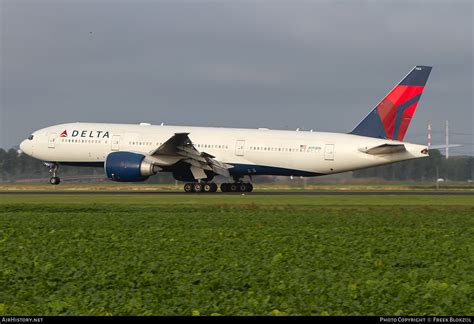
{"points": [[236, 255]]}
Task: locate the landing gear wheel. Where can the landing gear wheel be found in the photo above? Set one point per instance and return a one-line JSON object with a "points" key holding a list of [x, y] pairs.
{"points": [[213, 187], [249, 187], [197, 187], [236, 187], [53, 169], [207, 187], [188, 187], [54, 180]]}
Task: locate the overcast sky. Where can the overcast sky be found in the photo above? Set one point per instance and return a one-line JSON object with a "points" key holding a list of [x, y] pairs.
{"points": [[277, 64]]}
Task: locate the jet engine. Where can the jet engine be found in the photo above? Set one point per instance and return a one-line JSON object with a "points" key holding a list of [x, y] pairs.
{"points": [[129, 167]]}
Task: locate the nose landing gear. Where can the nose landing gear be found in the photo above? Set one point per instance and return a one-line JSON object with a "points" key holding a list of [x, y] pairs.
{"points": [[53, 169]]}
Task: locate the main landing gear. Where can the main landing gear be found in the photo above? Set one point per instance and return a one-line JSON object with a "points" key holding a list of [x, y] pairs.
{"points": [[200, 187], [212, 187], [53, 169], [236, 187]]}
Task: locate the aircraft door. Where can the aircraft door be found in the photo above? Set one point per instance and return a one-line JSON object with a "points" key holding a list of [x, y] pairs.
{"points": [[115, 142], [52, 139], [329, 152], [239, 147]]}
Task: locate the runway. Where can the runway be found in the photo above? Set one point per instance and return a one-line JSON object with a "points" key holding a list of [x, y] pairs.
{"points": [[257, 193]]}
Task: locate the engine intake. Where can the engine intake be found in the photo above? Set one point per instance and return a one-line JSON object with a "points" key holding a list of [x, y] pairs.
{"points": [[129, 167]]}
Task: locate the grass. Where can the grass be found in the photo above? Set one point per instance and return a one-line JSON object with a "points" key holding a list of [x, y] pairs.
{"points": [[236, 255]]}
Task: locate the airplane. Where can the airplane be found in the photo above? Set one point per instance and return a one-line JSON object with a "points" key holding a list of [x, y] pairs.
{"points": [[195, 155]]}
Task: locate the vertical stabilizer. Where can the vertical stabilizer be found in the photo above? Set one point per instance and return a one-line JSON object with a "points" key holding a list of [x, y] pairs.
{"points": [[392, 116]]}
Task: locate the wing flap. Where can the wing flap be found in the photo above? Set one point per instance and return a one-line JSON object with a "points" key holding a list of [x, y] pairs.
{"points": [[170, 147], [180, 145], [198, 164], [198, 173], [192, 155]]}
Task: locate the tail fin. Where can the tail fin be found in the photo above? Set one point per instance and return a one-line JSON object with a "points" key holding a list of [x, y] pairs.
{"points": [[391, 117]]}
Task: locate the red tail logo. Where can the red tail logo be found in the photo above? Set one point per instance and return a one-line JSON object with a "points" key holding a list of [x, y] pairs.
{"points": [[391, 117], [397, 108], [63, 134]]}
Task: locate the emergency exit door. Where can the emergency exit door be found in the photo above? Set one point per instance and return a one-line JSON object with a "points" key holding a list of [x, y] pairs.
{"points": [[239, 148], [52, 139], [115, 142], [329, 152]]}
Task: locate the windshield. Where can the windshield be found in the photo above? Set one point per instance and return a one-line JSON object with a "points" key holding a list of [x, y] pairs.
{"points": [[30, 137]]}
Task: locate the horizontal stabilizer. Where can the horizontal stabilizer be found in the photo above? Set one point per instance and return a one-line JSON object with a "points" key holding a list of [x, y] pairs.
{"points": [[384, 149], [443, 146]]}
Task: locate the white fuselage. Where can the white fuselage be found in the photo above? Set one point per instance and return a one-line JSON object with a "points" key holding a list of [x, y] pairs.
{"points": [[296, 152]]}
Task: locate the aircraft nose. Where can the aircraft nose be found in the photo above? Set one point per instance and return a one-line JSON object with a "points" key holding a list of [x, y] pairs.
{"points": [[25, 147], [22, 145]]}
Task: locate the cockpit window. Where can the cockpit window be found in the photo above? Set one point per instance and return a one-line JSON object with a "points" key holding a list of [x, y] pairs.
{"points": [[30, 137]]}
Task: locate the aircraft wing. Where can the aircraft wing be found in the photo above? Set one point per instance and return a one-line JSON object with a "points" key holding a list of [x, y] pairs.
{"points": [[181, 145], [384, 149]]}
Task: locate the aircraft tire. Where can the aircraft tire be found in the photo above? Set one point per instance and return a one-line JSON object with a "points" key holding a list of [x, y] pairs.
{"points": [[225, 187], [188, 187], [207, 187], [197, 187], [249, 187], [54, 180]]}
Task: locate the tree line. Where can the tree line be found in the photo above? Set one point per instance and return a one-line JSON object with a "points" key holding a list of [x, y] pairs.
{"points": [[16, 166], [436, 166]]}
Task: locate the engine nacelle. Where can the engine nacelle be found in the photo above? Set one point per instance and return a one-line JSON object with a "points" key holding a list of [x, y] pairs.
{"points": [[129, 167]]}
